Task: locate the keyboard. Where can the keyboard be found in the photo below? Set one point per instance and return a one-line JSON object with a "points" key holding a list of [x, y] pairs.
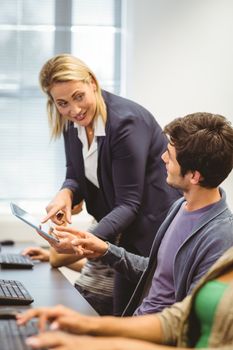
{"points": [[14, 293], [15, 261], [13, 336]]}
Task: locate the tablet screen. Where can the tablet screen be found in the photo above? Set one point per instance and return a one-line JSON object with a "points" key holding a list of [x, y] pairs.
{"points": [[44, 229]]}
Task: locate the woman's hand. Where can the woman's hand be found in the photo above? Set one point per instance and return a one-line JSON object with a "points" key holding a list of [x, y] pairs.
{"points": [[36, 253], [60, 317], [59, 209], [64, 341]]}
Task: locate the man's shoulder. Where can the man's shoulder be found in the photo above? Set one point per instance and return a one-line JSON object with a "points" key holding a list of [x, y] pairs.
{"points": [[222, 219], [218, 231]]}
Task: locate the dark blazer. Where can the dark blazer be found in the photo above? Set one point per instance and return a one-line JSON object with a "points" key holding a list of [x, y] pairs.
{"points": [[134, 197]]}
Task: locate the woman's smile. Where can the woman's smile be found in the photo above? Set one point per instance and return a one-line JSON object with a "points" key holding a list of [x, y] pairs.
{"points": [[79, 117]]}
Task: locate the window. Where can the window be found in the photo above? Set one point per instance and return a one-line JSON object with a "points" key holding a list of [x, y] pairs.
{"points": [[31, 32]]}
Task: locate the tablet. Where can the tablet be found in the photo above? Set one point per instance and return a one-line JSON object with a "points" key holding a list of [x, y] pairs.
{"points": [[45, 230]]}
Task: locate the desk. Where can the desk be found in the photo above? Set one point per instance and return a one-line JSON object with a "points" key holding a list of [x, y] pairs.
{"points": [[47, 285]]}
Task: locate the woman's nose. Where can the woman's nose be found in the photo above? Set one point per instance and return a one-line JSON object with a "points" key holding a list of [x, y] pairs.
{"points": [[74, 109]]}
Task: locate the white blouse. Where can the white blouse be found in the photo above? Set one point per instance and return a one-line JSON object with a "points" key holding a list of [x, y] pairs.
{"points": [[90, 156]]}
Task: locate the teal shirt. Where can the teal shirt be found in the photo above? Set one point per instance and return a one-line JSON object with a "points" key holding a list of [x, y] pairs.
{"points": [[205, 306]]}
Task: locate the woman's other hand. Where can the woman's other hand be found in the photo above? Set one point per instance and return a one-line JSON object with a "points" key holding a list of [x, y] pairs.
{"points": [[59, 317], [36, 253], [64, 341]]}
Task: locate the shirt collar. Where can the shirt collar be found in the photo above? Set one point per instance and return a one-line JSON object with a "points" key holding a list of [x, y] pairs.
{"points": [[99, 127]]}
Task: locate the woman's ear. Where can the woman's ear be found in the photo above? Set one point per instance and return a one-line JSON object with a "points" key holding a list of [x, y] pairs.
{"points": [[93, 84]]}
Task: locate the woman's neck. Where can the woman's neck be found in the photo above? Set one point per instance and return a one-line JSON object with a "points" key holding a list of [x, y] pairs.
{"points": [[90, 134]]}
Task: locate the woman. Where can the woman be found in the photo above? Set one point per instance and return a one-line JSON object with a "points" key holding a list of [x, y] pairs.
{"points": [[113, 148], [202, 320]]}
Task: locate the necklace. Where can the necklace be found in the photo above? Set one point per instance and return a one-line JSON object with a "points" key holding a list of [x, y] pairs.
{"points": [[90, 132]]}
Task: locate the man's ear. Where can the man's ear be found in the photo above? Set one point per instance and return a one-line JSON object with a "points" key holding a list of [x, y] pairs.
{"points": [[196, 177]]}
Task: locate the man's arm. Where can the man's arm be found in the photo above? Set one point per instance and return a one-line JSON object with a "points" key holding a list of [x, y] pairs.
{"points": [[129, 264], [88, 245]]}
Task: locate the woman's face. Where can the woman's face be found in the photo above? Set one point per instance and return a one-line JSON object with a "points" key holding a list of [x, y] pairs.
{"points": [[75, 101]]}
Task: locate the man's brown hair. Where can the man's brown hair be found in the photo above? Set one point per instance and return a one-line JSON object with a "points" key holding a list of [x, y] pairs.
{"points": [[203, 142]]}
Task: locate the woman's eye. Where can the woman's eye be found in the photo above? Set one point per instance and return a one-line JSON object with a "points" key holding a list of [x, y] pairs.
{"points": [[62, 104], [79, 97]]}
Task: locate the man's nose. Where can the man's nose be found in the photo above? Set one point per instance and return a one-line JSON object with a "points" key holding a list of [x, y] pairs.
{"points": [[164, 156]]}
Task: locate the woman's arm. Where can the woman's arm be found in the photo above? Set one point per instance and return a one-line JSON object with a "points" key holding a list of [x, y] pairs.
{"points": [[64, 341], [60, 340], [69, 260], [146, 327], [160, 328], [36, 253], [73, 144]]}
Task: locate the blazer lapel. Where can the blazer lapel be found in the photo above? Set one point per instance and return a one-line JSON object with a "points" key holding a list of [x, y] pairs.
{"points": [[100, 142]]}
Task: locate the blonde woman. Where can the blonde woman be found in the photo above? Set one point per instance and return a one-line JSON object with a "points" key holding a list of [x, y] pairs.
{"points": [[113, 152]]}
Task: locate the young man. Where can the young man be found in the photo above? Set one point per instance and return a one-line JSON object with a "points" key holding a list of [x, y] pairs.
{"points": [[198, 228]]}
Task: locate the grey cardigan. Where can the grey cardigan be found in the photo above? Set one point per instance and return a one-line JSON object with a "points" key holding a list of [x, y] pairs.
{"points": [[212, 236]]}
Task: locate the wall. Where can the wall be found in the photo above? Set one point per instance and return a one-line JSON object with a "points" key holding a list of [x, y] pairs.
{"points": [[179, 58]]}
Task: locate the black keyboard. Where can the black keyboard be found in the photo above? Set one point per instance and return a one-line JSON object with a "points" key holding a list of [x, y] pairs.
{"points": [[14, 293], [15, 261], [13, 336]]}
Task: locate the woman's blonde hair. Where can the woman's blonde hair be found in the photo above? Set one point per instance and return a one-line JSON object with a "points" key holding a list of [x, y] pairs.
{"points": [[62, 68]]}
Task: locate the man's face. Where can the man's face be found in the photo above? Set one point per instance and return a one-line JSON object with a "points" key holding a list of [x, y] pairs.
{"points": [[174, 177]]}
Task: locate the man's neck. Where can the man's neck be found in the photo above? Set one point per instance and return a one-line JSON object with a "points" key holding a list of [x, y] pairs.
{"points": [[199, 197]]}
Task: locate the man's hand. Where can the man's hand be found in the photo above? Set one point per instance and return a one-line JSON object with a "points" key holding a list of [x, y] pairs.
{"points": [[62, 246], [85, 244]]}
